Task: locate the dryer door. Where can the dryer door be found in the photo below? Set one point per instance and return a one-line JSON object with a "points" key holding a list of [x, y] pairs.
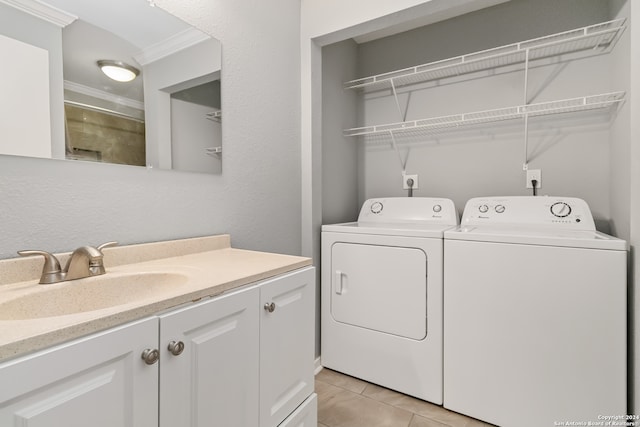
{"points": [[383, 288]]}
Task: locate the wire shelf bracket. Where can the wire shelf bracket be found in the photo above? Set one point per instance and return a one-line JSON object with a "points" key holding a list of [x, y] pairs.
{"points": [[213, 151], [215, 116]]}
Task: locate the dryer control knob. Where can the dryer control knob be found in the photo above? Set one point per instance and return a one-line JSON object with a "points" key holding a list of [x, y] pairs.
{"points": [[483, 208], [437, 208], [500, 208], [376, 207]]}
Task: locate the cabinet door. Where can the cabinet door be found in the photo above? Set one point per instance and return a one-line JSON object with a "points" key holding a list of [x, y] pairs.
{"points": [[306, 415], [214, 381], [286, 344], [98, 381]]}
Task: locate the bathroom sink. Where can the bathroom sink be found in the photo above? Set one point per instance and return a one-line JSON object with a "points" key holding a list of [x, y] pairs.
{"points": [[90, 294]]}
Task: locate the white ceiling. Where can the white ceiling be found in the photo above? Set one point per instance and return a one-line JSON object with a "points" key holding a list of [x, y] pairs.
{"points": [[116, 29], [133, 20]]}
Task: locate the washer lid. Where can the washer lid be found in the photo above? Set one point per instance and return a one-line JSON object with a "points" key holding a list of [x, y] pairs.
{"points": [[544, 236]]}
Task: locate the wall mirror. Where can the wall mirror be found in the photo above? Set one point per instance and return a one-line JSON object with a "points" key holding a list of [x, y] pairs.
{"points": [[58, 103]]}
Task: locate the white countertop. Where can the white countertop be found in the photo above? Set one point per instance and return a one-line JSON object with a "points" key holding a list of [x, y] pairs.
{"points": [[211, 265]]}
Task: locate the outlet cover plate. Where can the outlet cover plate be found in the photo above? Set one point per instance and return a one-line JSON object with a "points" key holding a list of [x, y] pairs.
{"points": [[405, 178], [534, 174]]}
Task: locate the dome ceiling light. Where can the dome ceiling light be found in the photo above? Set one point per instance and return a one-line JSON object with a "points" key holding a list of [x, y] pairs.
{"points": [[118, 70]]}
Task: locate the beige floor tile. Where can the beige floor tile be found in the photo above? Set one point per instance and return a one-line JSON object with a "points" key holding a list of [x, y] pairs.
{"points": [[338, 407], [454, 419], [341, 380], [400, 400], [418, 421], [327, 393], [420, 407], [344, 401]]}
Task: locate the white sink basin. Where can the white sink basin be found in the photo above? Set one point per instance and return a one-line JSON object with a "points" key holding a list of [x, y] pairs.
{"points": [[90, 294]]}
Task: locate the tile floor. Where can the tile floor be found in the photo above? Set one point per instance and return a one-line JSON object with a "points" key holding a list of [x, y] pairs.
{"points": [[344, 401]]}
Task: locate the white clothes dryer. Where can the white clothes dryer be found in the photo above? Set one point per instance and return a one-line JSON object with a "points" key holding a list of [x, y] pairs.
{"points": [[382, 294], [534, 314]]}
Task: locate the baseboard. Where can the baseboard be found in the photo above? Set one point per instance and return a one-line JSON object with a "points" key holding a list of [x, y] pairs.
{"points": [[317, 366]]}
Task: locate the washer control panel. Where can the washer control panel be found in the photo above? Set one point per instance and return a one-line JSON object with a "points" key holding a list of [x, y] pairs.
{"points": [[562, 212], [409, 210]]}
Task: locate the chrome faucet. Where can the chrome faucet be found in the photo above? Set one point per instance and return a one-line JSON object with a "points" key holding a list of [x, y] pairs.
{"points": [[86, 261]]}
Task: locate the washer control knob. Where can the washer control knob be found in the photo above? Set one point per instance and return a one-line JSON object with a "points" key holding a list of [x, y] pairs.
{"points": [[500, 208], [376, 207], [560, 209], [483, 208], [437, 208]]}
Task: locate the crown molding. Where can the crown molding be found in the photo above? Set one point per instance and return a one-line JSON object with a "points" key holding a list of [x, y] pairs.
{"points": [[100, 94], [42, 11], [173, 44]]}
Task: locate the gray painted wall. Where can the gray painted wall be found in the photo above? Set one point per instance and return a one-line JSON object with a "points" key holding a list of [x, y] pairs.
{"points": [[59, 205], [340, 180]]}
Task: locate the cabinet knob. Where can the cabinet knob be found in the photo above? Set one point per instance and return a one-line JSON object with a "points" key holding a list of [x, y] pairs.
{"points": [[150, 356], [176, 347], [270, 306]]}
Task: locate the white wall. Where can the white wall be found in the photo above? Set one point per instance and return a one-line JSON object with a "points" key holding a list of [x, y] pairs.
{"points": [[24, 110], [59, 205], [28, 29]]}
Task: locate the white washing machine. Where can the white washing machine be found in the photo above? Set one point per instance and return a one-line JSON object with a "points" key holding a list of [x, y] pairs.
{"points": [[534, 314], [382, 294]]}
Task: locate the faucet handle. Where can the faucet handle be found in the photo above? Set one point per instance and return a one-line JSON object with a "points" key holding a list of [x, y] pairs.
{"points": [[96, 266], [106, 245], [51, 272]]}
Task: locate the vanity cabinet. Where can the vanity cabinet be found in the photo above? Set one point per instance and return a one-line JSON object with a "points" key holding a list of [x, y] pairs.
{"points": [[242, 359], [286, 345], [306, 415], [209, 362], [97, 381]]}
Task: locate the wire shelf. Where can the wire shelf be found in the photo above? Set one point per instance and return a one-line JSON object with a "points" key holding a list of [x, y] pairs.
{"points": [[435, 124], [593, 39]]}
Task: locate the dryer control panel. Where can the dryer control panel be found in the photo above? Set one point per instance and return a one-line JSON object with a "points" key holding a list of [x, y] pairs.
{"points": [[561, 212], [409, 210]]}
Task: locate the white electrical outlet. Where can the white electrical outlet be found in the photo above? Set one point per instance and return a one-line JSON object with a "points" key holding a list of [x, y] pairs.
{"points": [[534, 174], [405, 183]]}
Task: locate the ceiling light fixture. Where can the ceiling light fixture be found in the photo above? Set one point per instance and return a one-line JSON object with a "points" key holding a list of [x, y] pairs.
{"points": [[118, 70]]}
